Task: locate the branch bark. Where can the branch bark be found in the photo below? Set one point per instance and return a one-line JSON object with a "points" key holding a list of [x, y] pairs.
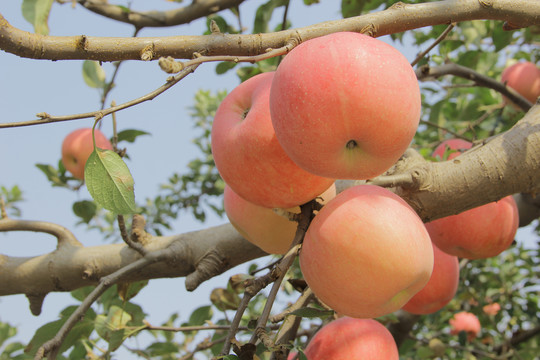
{"points": [[398, 18]]}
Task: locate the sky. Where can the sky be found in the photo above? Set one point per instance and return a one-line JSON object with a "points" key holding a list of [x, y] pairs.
{"points": [[28, 87]]}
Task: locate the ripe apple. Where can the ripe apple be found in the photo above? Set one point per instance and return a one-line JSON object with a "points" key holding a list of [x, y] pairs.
{"points": [[441, 287], [482, 232], [262, 226], [524, 77], [492, 309], [352, 339], [77, 147], [345, 105], [366, 253], [249, 157], [465, 321], [451, 144]]}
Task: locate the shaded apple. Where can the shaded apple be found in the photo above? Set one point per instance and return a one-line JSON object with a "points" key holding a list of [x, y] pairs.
{"points": [[524, 77], [467, 322]]}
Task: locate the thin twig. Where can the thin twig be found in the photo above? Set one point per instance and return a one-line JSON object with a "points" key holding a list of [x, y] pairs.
{"points": [[127, 239], [435, 43], [3, 212]]}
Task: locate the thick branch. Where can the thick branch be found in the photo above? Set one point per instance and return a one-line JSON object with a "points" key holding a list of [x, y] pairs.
{"points": [[398, 18], [183, 15]]}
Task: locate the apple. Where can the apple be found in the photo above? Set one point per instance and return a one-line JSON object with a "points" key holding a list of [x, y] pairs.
{"points": [[262, 226], [248, 155], [77, 147], [465, 321], [352, 339], [478, 233], [492, 309], [366, 253], [345, 105], [441, 287], [524, 77], [451, 144]]}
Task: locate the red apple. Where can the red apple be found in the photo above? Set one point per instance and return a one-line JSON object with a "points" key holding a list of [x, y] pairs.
{"points": [[248, 155], [478, 233], [77, 147], [366, 253], [441, 287], [352, 339], [451, 144], [465, 321], [263, 226], [345, 105], [524, 77], [492, 309]]}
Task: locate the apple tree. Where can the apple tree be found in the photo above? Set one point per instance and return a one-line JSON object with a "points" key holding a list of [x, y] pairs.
{"points": [[459, 51]]}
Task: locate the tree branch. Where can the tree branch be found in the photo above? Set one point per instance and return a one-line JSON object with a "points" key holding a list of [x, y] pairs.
{"points": [[140, 19], [400, 17]]}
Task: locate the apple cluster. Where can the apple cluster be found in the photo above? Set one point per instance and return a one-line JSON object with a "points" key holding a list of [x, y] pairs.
{"points": [[346, 106]]}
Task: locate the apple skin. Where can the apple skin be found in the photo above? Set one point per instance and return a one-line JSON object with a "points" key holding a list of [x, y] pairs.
{"points": [[366, 253], [492, 309], [261, 226], [345, 105], [465, 321], [453, 144], [352, 339], [248, 155], [77, 147], [441, 287], [524, 77]]}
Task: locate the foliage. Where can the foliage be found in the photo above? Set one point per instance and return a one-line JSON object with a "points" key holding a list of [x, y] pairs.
{"points": [[452, 107]]}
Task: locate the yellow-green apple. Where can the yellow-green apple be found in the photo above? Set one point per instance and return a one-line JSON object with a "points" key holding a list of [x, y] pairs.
{"points": [[249, 157], [441, 287], [481, 232], [262, 226], [77, 147], [467, 322], [451, 144], [345, 105], [366, 253], [492, 309], [524, 77], [352, 339]]}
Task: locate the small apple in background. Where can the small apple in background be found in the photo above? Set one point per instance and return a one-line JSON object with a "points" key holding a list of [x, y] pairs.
{"points": [[441, 287], [262, 226], [77, 147], [366, 253], [478, 233], [492, 309], [524, 77], [451, 144], [248, 156], [352, 339], [345, 105], [465, 321]]}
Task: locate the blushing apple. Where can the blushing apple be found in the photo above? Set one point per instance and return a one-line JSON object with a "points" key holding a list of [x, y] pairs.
{"points": [[441, 287], [478, 233], [262, 226], [492, 309], [352, 339], [366, 253], [345, 105], [77, 147], [524, 77], [249, 157], [465, 321], [451, 144]]}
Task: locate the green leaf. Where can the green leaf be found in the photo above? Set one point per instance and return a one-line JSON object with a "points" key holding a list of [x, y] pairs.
{"points": [[55, 176], [200, 315], [309, 312], [36, 12], [85, 209], [224, 66], [264, 14], [130, 135], [81, 330], [109, 182], [351, 8], [93, 74]]}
